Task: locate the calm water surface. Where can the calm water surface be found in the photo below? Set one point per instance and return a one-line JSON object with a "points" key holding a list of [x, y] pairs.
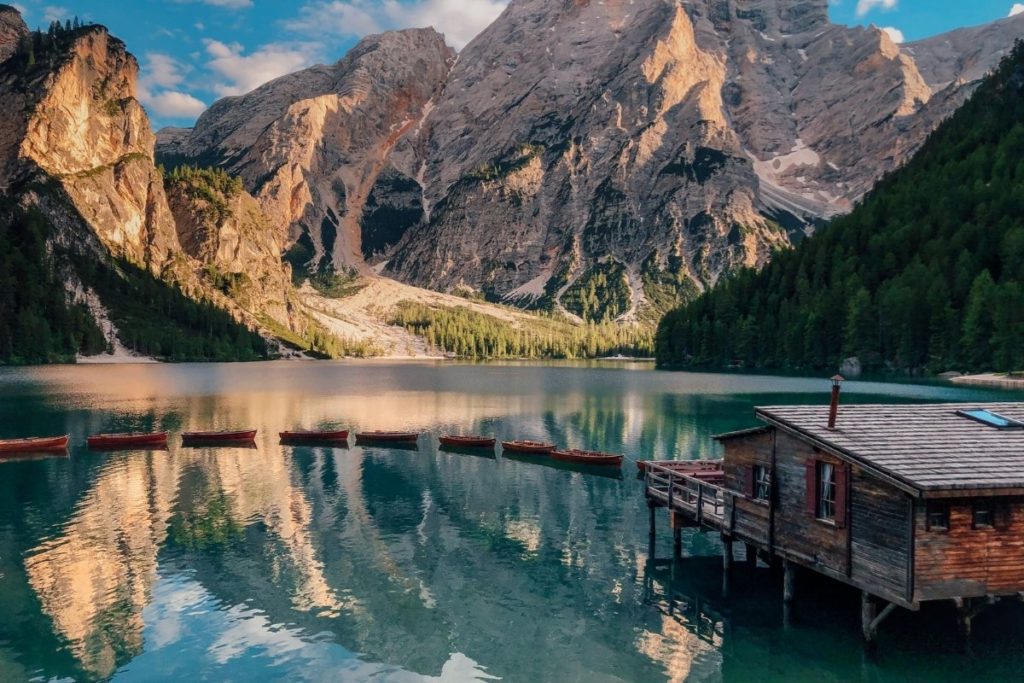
{"points": [[369, 564]]}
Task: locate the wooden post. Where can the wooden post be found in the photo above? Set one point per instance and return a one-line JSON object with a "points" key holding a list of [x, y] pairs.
{"points": [[788, 582], [751, 551], [727, 555], [677, 541], [652, 537], [965, 620], [868, 614]]}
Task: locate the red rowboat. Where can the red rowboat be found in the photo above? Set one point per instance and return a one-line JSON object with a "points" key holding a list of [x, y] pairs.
{"points": [[315, 437], [246, 436], [39, 445], [387, 437], [528, 447], [589, 458], [100, 441], [468, 441]]}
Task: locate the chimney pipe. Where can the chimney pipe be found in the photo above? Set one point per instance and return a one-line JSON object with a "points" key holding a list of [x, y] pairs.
{"points": [[833, 411]]}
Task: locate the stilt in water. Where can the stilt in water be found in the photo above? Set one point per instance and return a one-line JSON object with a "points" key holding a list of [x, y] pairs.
{"points": [[727, 559], [677, 543], [751, 554], [788, 592]]}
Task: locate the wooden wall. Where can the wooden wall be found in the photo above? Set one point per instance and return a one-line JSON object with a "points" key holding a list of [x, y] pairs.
{"points": [[880, 543], [805, 539], [968, 562], [872, 550]]}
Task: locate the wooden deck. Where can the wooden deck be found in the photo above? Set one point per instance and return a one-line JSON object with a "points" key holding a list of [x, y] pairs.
{"points": [[700, 502]]}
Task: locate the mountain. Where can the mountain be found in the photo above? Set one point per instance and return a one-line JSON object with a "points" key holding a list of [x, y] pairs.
{"points": [[77, 171], [926, 275], [629, 152], [316, 147]]}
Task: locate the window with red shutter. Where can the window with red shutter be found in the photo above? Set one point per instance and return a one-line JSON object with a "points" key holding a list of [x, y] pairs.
{"points": [[842, 487], [811, 480]]}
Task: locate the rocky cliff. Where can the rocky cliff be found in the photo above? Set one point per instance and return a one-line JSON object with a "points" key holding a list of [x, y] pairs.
{"points": [[76, 144], [312, 145], [650, 145], [12, 31]]}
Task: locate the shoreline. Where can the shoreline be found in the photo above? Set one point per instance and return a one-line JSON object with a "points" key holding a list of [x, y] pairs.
{"points": [[990, 380]]}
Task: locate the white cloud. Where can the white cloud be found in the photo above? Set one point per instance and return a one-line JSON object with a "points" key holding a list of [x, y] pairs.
{"points": [[53, 13], [896, 34], [459, 20], [865, 6], [241, 73], [1018, 8], [175, 105], [158, 88]]}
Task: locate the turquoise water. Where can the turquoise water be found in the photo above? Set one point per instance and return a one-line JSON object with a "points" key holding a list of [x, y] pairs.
{"points": [[369, 564]]}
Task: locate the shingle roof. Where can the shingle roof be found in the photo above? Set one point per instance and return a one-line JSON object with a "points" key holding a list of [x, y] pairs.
{"points": [[928, 447]]}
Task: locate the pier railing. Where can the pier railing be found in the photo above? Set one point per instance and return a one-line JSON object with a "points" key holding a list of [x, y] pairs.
{"points": [[702, 502]]}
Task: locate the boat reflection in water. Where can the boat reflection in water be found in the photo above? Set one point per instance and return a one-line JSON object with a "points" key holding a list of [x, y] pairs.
{"points": [[312, 562]]}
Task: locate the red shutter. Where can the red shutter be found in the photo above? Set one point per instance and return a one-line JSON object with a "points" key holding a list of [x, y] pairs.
{"points": [[811, 477], [842, 487], [749, 484]]}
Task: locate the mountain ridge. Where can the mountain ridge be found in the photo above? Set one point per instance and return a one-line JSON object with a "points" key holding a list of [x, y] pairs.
{"points": [[679, 141]]}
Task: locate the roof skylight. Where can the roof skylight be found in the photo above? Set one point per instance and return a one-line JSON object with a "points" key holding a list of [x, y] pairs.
{"points": [[991, 419]]}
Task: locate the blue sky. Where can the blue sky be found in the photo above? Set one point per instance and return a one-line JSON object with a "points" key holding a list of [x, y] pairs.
{"points": [[193, 52]]}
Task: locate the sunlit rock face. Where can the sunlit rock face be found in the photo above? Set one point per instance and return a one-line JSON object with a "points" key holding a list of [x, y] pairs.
{"points": [[81, 124], [679, 138], [312, 145], [12, 31]]}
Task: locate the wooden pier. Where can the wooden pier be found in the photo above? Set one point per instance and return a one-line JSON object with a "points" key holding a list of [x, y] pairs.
{"points": [[908, 504]]}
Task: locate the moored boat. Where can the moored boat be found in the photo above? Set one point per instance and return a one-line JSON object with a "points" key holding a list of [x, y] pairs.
{"points": [[46, 444], [227, 437], [468, 441], [336, 436], [528, 447], [589, 458], [138, 439], [387, 437]]}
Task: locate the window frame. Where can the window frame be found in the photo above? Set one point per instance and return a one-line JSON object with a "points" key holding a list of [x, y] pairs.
{"points": [[983, 506], [827, 492], [936, 508], [762, 483]]}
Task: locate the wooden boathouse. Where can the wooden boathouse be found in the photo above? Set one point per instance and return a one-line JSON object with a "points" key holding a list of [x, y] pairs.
{"points": [[907, 503]]}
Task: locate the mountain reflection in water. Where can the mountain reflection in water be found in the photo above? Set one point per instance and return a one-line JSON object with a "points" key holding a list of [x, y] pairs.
{"points": [[381, 564]]}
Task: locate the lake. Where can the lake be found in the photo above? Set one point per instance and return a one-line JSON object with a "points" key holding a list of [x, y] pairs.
{"points": [[373, 564]]}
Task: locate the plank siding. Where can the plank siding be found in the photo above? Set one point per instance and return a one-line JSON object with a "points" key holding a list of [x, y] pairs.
{"points": [[750, 517], [967, 562], [798, 533], [879, 541]]}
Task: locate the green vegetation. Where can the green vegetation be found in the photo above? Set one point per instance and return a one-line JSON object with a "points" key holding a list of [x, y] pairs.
{"points": [[157, 319], [318, 342], [214, 527], [337, 285], [469, 334], [41, 50], [36, 323], [927, 274], [497, 169], [213, 186], [600, 295], [665, 288]]}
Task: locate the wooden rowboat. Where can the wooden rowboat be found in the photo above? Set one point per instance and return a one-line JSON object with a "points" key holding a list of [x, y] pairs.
{"points": [[468, 441], [141, 440], [244, 436], [528, 447], [387, 437], [316, 436], [589, 458], [47, 444]]}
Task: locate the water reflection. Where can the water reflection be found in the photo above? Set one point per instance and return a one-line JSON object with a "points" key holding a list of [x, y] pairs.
{"points": [[319, 563]]}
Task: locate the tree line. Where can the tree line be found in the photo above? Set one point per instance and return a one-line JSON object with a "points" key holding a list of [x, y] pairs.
{"points": [[925, 275]]}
